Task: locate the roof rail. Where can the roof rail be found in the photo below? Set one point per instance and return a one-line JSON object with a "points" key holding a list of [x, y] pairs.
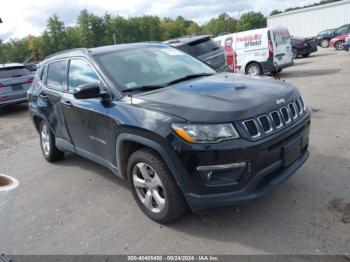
{"points": [[85, 50]]}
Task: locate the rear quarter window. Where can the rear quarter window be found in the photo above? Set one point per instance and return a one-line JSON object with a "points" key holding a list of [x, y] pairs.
{"points": [[56, 75], [12, 72]]}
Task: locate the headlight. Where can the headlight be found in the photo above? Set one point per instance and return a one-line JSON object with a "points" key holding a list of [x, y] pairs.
{"points": [[200, 133]]}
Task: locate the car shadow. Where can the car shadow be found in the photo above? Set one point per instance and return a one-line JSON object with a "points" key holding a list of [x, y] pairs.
{"points": [[73, 160], [308, 73], [13, 109], [301, 61]]}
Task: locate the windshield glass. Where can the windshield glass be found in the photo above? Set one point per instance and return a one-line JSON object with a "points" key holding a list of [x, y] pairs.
{"points": [[149, 66]]}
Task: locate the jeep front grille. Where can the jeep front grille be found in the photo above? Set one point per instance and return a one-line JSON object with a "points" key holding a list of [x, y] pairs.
{"points": [[272, 121]]}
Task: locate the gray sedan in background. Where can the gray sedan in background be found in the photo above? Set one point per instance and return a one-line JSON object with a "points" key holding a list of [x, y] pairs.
{"points": [[15, 81]]}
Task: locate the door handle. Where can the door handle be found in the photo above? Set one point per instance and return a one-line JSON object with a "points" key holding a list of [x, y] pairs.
{"points": [[43, 95], [67, 103]]}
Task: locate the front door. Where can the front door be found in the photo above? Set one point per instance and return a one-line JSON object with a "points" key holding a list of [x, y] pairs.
{"points": [[86, 119]]}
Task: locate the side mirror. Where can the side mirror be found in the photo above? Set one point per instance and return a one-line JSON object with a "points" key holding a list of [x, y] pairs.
{"points": [[87, 91]]}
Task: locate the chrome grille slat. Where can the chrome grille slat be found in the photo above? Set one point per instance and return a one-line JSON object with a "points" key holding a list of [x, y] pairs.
{"points": [[249, 128], [272, 121]]}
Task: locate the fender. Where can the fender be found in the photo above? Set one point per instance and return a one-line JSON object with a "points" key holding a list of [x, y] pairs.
{"points": [[156, 147]]}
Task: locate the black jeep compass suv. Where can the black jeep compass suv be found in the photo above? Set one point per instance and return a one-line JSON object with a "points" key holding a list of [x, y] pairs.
{"points": [[180, 133]]}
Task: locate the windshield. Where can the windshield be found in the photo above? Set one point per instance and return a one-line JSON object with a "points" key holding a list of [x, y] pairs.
{"points": [[150, 66]]}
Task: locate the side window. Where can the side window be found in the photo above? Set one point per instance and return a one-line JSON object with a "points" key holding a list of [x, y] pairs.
{"points": [[44, 74], [80, 72], [56, 75]]}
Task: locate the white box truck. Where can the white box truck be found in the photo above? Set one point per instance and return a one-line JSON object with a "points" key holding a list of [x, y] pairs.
{"points": [[260, 51]]}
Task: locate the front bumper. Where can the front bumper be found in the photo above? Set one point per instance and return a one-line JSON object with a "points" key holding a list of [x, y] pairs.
{"points": [[266, 168], [307, 50]]}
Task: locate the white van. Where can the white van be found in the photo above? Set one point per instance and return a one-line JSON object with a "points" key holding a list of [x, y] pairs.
{"points": [[260, 51]]}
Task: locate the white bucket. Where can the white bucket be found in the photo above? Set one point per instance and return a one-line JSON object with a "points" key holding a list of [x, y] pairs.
{"points": [[8, 187]]}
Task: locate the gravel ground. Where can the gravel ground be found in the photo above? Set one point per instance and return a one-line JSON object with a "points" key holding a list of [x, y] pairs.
{"points": [[78, 207]]}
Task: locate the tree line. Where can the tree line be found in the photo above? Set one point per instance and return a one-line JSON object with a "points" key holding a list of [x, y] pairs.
{"points": [[92, 30]]}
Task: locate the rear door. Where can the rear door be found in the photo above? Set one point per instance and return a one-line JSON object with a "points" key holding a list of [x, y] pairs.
{"points": [[282, 46], [54, 85]]}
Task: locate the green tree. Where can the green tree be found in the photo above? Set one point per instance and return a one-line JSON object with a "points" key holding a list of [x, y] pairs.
{"points": [[252, 20], [55, 29], [223, 23]]}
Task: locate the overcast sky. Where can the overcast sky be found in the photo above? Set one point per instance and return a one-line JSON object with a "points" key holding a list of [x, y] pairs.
{"points": [[21, 18]]}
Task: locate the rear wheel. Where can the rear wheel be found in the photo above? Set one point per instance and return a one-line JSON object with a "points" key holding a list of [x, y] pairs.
{"points": [[295, 53], [48, 146], [306, 55], [254, 69], [154, 188], [339, 45], [324, 43]]}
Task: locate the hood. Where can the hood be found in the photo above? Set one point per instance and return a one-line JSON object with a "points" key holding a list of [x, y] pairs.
{"points": [[218, 98]]}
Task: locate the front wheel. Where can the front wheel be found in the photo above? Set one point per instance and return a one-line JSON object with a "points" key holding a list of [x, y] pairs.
{"points": [[339, 45], [154, 188], [295, 53], [47, 143], [254, 69], [324, 43]]}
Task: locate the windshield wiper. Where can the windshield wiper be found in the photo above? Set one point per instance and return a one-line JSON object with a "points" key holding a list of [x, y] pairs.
{"points": [[188, 77], [144, 88]]}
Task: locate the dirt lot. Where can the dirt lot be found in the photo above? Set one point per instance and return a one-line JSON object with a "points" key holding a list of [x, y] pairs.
{"points": [[78, 207]]}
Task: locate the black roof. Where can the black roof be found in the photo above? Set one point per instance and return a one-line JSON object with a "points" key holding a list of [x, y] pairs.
{"points": [[98, 50], [183, 40]]}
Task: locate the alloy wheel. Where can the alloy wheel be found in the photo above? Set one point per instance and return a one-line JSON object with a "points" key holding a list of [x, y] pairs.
{"points": [[148, 187], [324, 43], [253, 70], [295, 53], [339, 45], [45, 139]]}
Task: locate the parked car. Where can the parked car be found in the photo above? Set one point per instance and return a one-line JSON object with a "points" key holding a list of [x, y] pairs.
{"points": [[202, 47], [15, 81], [182, 134], [302, 46], [347, 43], [260, 51], [325, 36], [338, 42]]}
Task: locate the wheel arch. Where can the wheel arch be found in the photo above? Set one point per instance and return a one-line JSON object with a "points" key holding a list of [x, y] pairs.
{"points": [[127, 143]]}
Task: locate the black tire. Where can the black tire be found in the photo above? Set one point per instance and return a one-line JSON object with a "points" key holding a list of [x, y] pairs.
{"points": [[306, 55], [175, 204], [53, 154], [256, 67], [339, 45], [295, 53]]}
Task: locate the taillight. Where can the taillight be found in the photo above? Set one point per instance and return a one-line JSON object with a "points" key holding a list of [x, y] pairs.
{"points": [[2, 85], [301, 43], [270, 49], [30, 80]]}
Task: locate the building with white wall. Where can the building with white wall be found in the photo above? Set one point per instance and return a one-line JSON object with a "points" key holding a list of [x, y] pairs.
{"points": [[312, 20]]}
